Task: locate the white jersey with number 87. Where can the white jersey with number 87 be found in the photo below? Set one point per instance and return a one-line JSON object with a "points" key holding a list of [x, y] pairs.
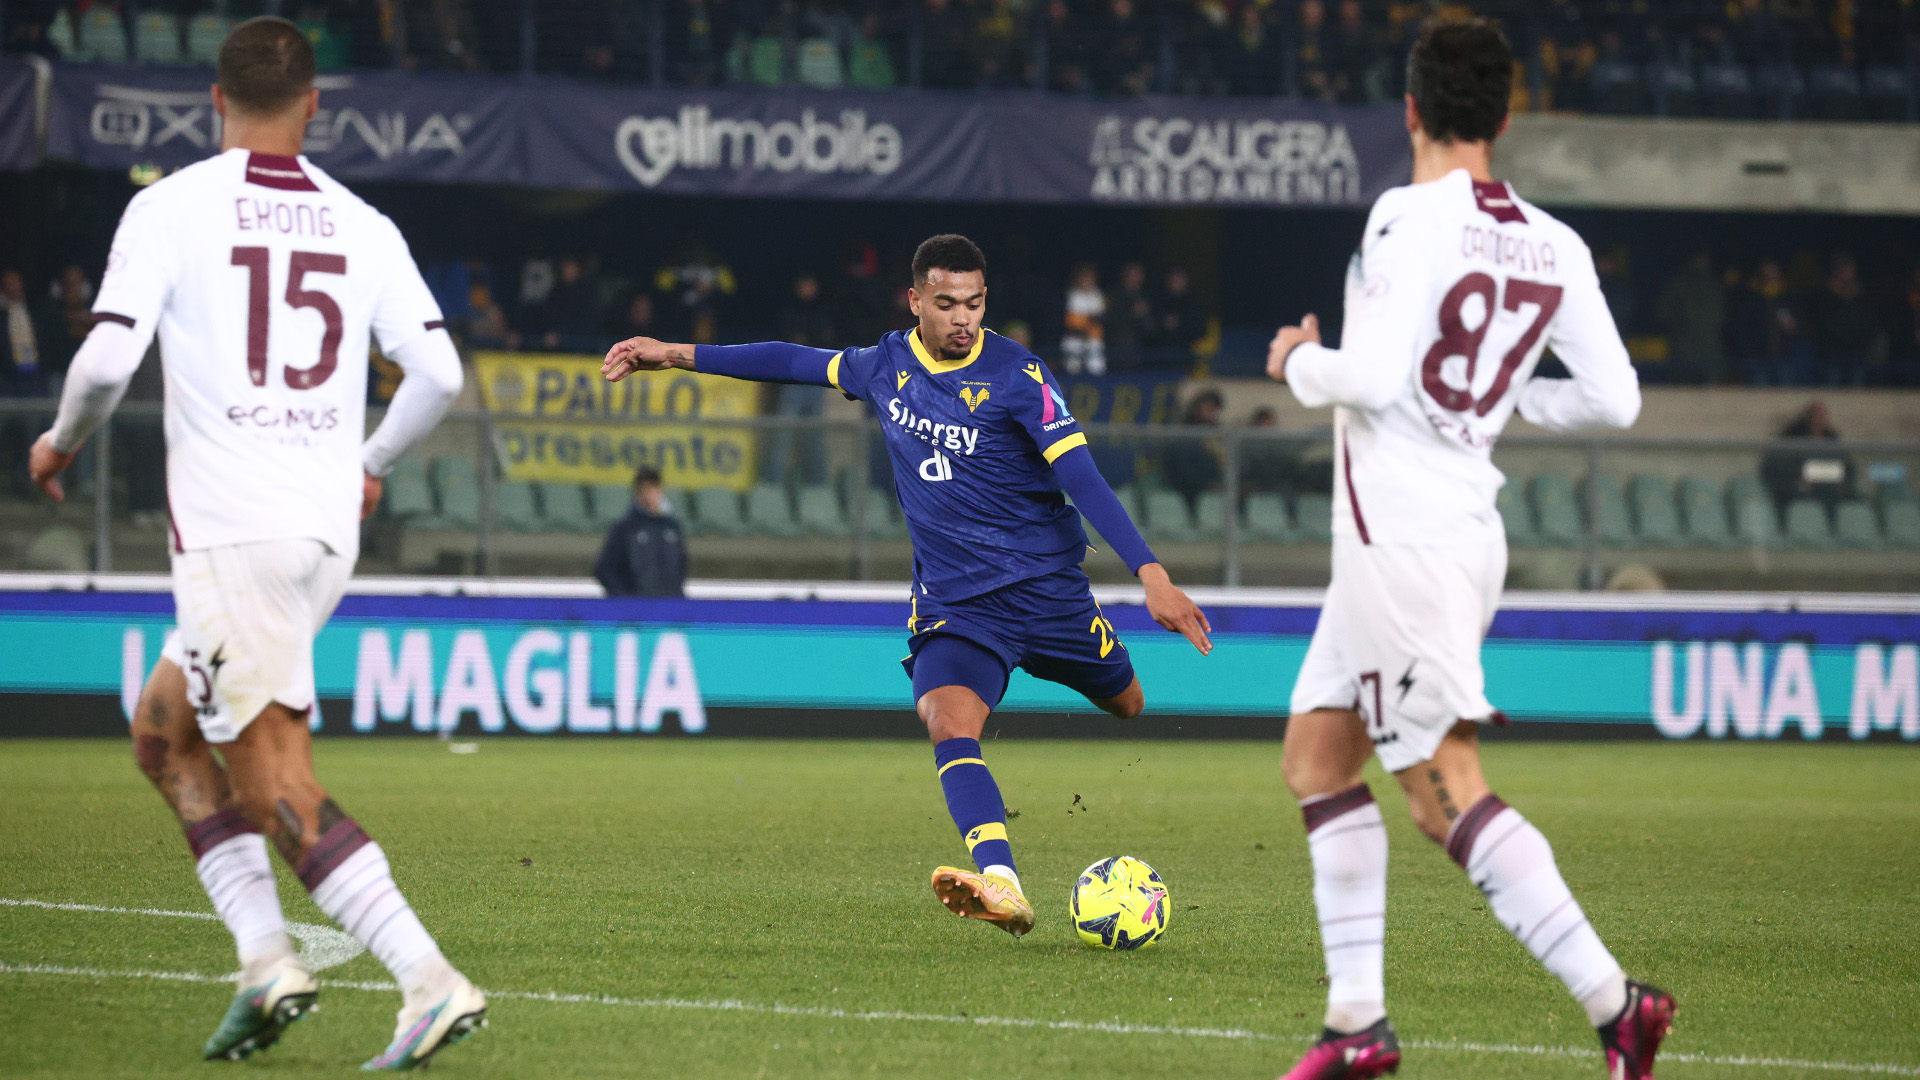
{"points": [[264, 279], [1458, 288]]}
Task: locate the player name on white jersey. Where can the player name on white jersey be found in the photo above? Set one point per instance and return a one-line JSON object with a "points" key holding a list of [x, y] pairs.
{"points": [[265, 280]]}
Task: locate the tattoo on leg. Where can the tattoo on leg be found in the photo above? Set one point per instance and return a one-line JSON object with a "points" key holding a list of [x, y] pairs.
{"points": [[151, 752], [154, 713], [289, 837], [330, 815], [1440, 795]]}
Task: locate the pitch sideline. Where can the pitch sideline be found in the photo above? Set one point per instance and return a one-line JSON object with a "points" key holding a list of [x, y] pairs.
{"points": [[776, 1009]]}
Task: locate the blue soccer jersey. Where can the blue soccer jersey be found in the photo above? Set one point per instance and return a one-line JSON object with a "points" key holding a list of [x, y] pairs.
{"points": [[972, 442]]}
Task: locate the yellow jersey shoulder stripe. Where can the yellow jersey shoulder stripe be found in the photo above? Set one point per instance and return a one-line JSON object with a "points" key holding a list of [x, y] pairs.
{"points": [[1052, 453], [833, 371]]}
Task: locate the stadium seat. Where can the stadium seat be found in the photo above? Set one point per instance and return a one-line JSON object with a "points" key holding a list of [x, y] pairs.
{"points": [[1266, 519], [765, 62], [869, 65], [1675, 91], [1556, 510], [1903, 524], [103, 37], [769, 513], [1833, 92], [515, 507], [1754, 521], [156, 37], [717, 512], [1210, 515], [1887, 93], [610, 502], [1704, 501], [1313, 518], [1807, 525], [1656, 519], [883, 517], [1856, 526], [1516, 516], [205, 32], [459, 488], [1780, 87], [1742, 488], [1616, 86], [820, 512], [1611, 519], [566, 507], [60, 34], [1167, 517], [407, 495], [1726, 90], [819, 63]]}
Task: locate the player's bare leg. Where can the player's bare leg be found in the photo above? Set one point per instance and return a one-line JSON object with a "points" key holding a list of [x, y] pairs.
{"points": [[1127, 704], [271, 765], [1512, 864], [1326, 749], [955, 717], [231, 859]]}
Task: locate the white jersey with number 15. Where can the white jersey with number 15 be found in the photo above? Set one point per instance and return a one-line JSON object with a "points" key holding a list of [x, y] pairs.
{"points": [[1457, 289], [264, 279]]}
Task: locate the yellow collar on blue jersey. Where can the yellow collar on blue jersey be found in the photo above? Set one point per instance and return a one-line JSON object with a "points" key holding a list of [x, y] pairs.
{"points": [[941, 367]]}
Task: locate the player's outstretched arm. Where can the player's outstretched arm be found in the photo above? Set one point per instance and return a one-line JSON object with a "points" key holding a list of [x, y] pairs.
{"points": [[1170, 607], [97, 379], [765, 361]]}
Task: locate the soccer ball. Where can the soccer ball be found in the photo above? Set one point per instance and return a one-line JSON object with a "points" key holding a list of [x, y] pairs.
{"points": [[1119, 903]]}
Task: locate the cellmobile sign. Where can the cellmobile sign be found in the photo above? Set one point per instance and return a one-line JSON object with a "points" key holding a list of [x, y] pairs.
{"points": [[581, 665]]}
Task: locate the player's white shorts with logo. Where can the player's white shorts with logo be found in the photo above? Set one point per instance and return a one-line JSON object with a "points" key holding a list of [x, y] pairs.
{"points": [[1399, 640], [246, 617]]}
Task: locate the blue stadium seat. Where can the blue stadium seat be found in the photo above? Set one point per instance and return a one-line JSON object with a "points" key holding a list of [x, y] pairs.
{"points": [[1617, 86], [1167, 517], [1833, 92], [819, 511], [1675, 90], [1313, 519], [1611, 520], [1266, 519], [1903, 524], [1754, 521], [205, 32], [1780, 86], [1210, 515], [103, 37], [717, 512], [1888, 94], [1726, 90], [60, 32], [1807, 525], [565, 507], [515, 507], [1516, 516], [1555, 508], [406, 493], [459, 486], [1656, 518], [769, 513], [610, 503], [1704, 500], [156, 37], [1855, 525], [818, 64]]}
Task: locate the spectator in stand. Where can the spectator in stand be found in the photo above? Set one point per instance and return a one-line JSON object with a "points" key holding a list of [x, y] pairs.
{"points": [[1083, 346], [486, 325], [1352, 54], [1130, 322], [1617, 287], [636, 317], [950, 46], [1181, 323], [1906, 323], [1848, 344], [574, 308], [696, 42], [1002, 34], [441, 36], [645, 553], [68, 320], [804, 320], [859, 300], [1808, 471], [1128, 51], [22, 375], [533, 314], [1068, 50], [1252, 58], [1691, 311], [25, 23], [869, 59], [1267, 463], [1020, 334], [1192, 465], [693, 291], [1760, 327], [1318, 80]]}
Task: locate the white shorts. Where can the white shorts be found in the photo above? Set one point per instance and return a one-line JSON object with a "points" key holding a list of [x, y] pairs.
{"points": [[1399, 641], [246, 617]]}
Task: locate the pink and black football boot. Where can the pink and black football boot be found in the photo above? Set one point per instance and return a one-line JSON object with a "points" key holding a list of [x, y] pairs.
{"points": [[1633, 1038], [1360, 1056]]}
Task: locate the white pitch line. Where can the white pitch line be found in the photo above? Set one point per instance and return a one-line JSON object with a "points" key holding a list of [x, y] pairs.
{"points": [[323, 947], [1099, 1027]]}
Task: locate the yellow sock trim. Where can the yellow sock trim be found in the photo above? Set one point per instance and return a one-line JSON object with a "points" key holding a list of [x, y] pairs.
{"points": [[958, 761], [992, 830]]}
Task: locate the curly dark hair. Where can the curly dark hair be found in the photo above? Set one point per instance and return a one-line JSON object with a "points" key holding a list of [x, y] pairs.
{"points": [[1460, 76], [948, 251]]}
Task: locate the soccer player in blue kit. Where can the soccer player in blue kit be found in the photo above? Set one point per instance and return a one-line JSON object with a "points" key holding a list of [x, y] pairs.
{"points": [[983, 449]]}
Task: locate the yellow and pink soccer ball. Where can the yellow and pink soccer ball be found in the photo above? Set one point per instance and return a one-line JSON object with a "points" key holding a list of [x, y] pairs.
{"points": [[1119, 903]]}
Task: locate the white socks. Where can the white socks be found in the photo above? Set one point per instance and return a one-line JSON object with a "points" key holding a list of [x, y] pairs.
{"points": [[231, 859], [1348, 842], [1005, 872], [1512, 864], [347, 874]]}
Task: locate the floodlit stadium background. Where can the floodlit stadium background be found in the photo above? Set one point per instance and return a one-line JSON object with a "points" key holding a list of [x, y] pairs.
{"points": [[572, 174]]}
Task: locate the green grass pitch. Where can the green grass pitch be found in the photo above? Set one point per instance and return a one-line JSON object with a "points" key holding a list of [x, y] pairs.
{"points": [[1775, 889]]}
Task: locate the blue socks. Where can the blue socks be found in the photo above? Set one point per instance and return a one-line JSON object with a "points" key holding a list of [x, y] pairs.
{"points": [[974, 801]]}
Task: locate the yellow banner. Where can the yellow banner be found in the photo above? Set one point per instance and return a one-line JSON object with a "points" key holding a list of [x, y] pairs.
{"points": [[657, 418]]}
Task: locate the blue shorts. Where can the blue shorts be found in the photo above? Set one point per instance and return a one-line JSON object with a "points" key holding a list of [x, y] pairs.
{"points": [[1049, 626]]}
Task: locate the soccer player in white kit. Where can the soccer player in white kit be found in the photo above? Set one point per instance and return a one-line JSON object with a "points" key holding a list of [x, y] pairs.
{"points": [[264, 279], [1458, 287]]}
